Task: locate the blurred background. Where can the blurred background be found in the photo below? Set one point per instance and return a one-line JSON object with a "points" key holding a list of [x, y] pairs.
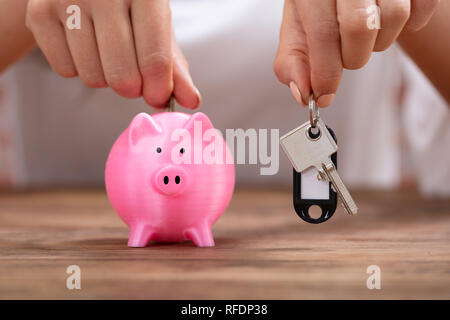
{"points": [[393, 128]]}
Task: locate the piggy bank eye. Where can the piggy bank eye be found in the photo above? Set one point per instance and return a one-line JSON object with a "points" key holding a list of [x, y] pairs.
{"points": [[158, 149], [182, 150]]}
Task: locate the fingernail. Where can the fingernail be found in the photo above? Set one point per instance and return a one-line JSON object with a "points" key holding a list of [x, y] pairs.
{"points": [[199, 98], [296, 93], [325, 100]]}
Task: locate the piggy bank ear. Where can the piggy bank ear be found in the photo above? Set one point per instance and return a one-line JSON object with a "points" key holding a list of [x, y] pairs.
{"points": [[198, 117], [141, 126]]}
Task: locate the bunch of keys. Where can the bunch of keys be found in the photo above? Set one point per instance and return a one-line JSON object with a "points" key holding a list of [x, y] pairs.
{"points": [[311, 148]]}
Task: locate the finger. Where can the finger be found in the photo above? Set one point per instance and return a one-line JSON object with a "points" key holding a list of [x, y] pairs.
{"points": [[357, 39], [421, 13], [322, 31], [291, 63], [116, 47], [153, 37], [84, 50], [184, 90], [50, 37], [394, 15]]}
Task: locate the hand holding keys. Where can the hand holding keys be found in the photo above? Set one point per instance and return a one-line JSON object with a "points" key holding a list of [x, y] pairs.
{"points": [[312, 145]]}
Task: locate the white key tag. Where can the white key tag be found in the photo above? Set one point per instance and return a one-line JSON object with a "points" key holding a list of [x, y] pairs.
{"points": [[309, 189], [312, 148]]}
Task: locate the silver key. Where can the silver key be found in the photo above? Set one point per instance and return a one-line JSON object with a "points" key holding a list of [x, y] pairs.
{"points": [[306, 148]]}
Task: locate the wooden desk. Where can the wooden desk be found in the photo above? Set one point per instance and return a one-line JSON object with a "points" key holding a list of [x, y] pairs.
{"points": [[263, 250]]}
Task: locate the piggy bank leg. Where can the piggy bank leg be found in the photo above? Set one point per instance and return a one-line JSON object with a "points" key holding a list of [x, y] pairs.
{"points": [[140, 236], [201, 235]]}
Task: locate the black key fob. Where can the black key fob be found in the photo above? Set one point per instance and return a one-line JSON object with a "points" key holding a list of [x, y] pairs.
{"points": [[309, 191]]}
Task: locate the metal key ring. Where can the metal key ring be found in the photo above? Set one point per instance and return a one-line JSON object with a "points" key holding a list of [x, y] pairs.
{"points": [[171, 104], [313, 111]]}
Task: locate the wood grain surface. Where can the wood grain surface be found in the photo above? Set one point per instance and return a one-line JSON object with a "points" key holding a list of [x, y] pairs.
{"points": [[263, 251]]}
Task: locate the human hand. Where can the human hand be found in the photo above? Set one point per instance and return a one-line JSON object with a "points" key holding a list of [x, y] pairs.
{"points": [[127, 45], [319, 38]]}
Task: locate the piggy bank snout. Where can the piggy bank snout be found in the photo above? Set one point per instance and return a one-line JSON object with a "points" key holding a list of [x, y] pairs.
{"points": [[171, 180]]}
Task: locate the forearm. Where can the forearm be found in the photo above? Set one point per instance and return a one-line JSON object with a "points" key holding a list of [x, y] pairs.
{"points": [[430, 49], [15, 39]]}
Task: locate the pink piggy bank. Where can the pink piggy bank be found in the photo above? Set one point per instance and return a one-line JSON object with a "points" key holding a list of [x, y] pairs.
{"points": [[170, 176]]}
